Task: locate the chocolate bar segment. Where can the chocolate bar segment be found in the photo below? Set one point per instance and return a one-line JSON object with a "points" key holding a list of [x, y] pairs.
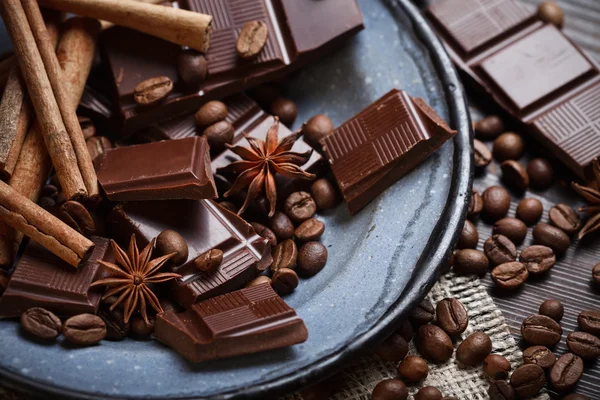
{"points": [[173, 169], [204, 225], [41, 279], [372, 150], [242, 322]]}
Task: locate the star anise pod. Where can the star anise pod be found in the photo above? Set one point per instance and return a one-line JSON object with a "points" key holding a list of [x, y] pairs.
{"points": [[131, 277], [261, 161], [592, 195]]}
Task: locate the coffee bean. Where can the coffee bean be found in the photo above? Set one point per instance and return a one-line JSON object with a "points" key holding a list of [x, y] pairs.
{"points": [[469, 236], [312, 257], [552, 13], [74, 214], [434, 343], [265, 232], [452, 316], [210, 113], [98, 145], [514, 175], [316, 129], [552, 308], [285, 109], [474, 349], [140, 329], [541, 330], [251, 39], [116, 329], [259, 280], [541, 173], [219, 134], [539, 355], [489, 127], [564, 218], [537, 258], [393, 348], [508, 146], [589, 321], [84, 329], [428, 393], [281, 225], [566, 372], [496, 366], [576, 396], [413, 369], [475, 205], [499, 250], [87, 127], [309, 230], [423, 313], [406, 330], [481, 154], [527, 380], [324, 194], [552, 237], [47, 203], [300, 206], [501, 390], [469, 261], [284, 281], [192, 68], [496, 202], [284, 255], [41, 323], [583, 344], [529, 210], [152, 91], [4, 277], [169, 241], [390, 389], [209, 261], [514, 229], [596, 273]]}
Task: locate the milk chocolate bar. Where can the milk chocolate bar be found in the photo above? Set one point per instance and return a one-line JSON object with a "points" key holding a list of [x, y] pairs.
{"points": [[531, 69], [41, 279], [242, 322], [204, 225], [383, 142], [299, 32], [172, 169]]}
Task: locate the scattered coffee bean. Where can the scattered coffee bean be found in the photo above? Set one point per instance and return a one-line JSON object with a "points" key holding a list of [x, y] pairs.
{"points": [[514, 229], [469, 236], [423, 313], [508, 146], [284, 281], [210, 113], [489, 127], [281, 225], [300, 206], [309, 230], [390, 389], [474, 349], [41, 323], [49, 191], [589, 321], [84, 329], [152, 91], [496, 366], [169, 241], [316, 129], [501, 390], [564, 218], [428, 393], [434, 343], [406, 330], [496, 202], [324, 193], [251, 39], [566, 372], [552, 237], [209, 261], [413, 369], [285, 109], [116, 329], [393, 348], [576, 396], [475, 205], [469, 261], [527, 380], [74, 214], [537, 258], [97, 145], [596, 273], [481, 154], [514, 175], [284, 255], [452, 316], [541, 173], [140, 329], [499, 250], [541, 330], [47, 203], [552, 308], [530, 210], [312, 257], [265, 232], [219, 134], [259, 280], [510, 275], [4, 277], [87, 127], [539, 355], [552, 13], [583, 344], [192, 68]]}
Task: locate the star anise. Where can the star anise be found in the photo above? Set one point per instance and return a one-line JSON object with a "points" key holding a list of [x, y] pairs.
{"points": [[592, 195], [131, 276], [261, 161]]}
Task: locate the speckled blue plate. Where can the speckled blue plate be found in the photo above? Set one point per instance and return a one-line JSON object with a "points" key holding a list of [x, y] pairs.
{"points": [[381, 262]]}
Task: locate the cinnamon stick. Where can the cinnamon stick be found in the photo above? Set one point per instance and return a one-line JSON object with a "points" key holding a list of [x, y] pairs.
{"points": [[107, 24], [175, 25]]}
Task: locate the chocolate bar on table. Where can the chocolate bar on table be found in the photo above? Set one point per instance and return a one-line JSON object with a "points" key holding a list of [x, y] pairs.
{"points": [[383, 142], [41, 279], [299, 32], [242, 322], [531, 69], [204, 225]]}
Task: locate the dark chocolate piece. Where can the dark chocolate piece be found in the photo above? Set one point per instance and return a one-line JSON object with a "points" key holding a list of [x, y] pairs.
{"points": [[383, 142], [41, 279], [299, 32], [204, 225], [531, 69], [246, 321], [172, 169]]}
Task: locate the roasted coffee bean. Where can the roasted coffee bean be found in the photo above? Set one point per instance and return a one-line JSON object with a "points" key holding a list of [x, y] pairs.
{"points": [[140, 329], [537, 258], [481, 154], [219, 134], [566, 372], [87, 127], [97, 145], [514, 229], [285, 109], [541, 330], [496, 202], [434, 343], [265, 232], [508, 146], [564, 218], [209, 261], [428, 393], [583, 344], [74, 214], [469, 236], [423, 313], [169, 241], [259, 280], [499, 250], [530, 210], [312, 257], [475, 205], [452, 316], [393, 348], [84, 329], [496, 366], [116, 328], [251, 39], [309, 230], [552, 308], [284, 255], [41, 323], [501, 390], [49, 191], [152, 91], [210, 113], [474, 349], [469, 261], [541, 173], [552, 13], [300, 206], [596, 273], [514, 175], [576, 396], [192, 68], [284, 281], [324, 193], [413, 369], [406, 330], [589, 321], [527, 380], [316, 129], [547, 235], [4, 277], [489, 127], [281, 225], [390, 389], [539, 355]]}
